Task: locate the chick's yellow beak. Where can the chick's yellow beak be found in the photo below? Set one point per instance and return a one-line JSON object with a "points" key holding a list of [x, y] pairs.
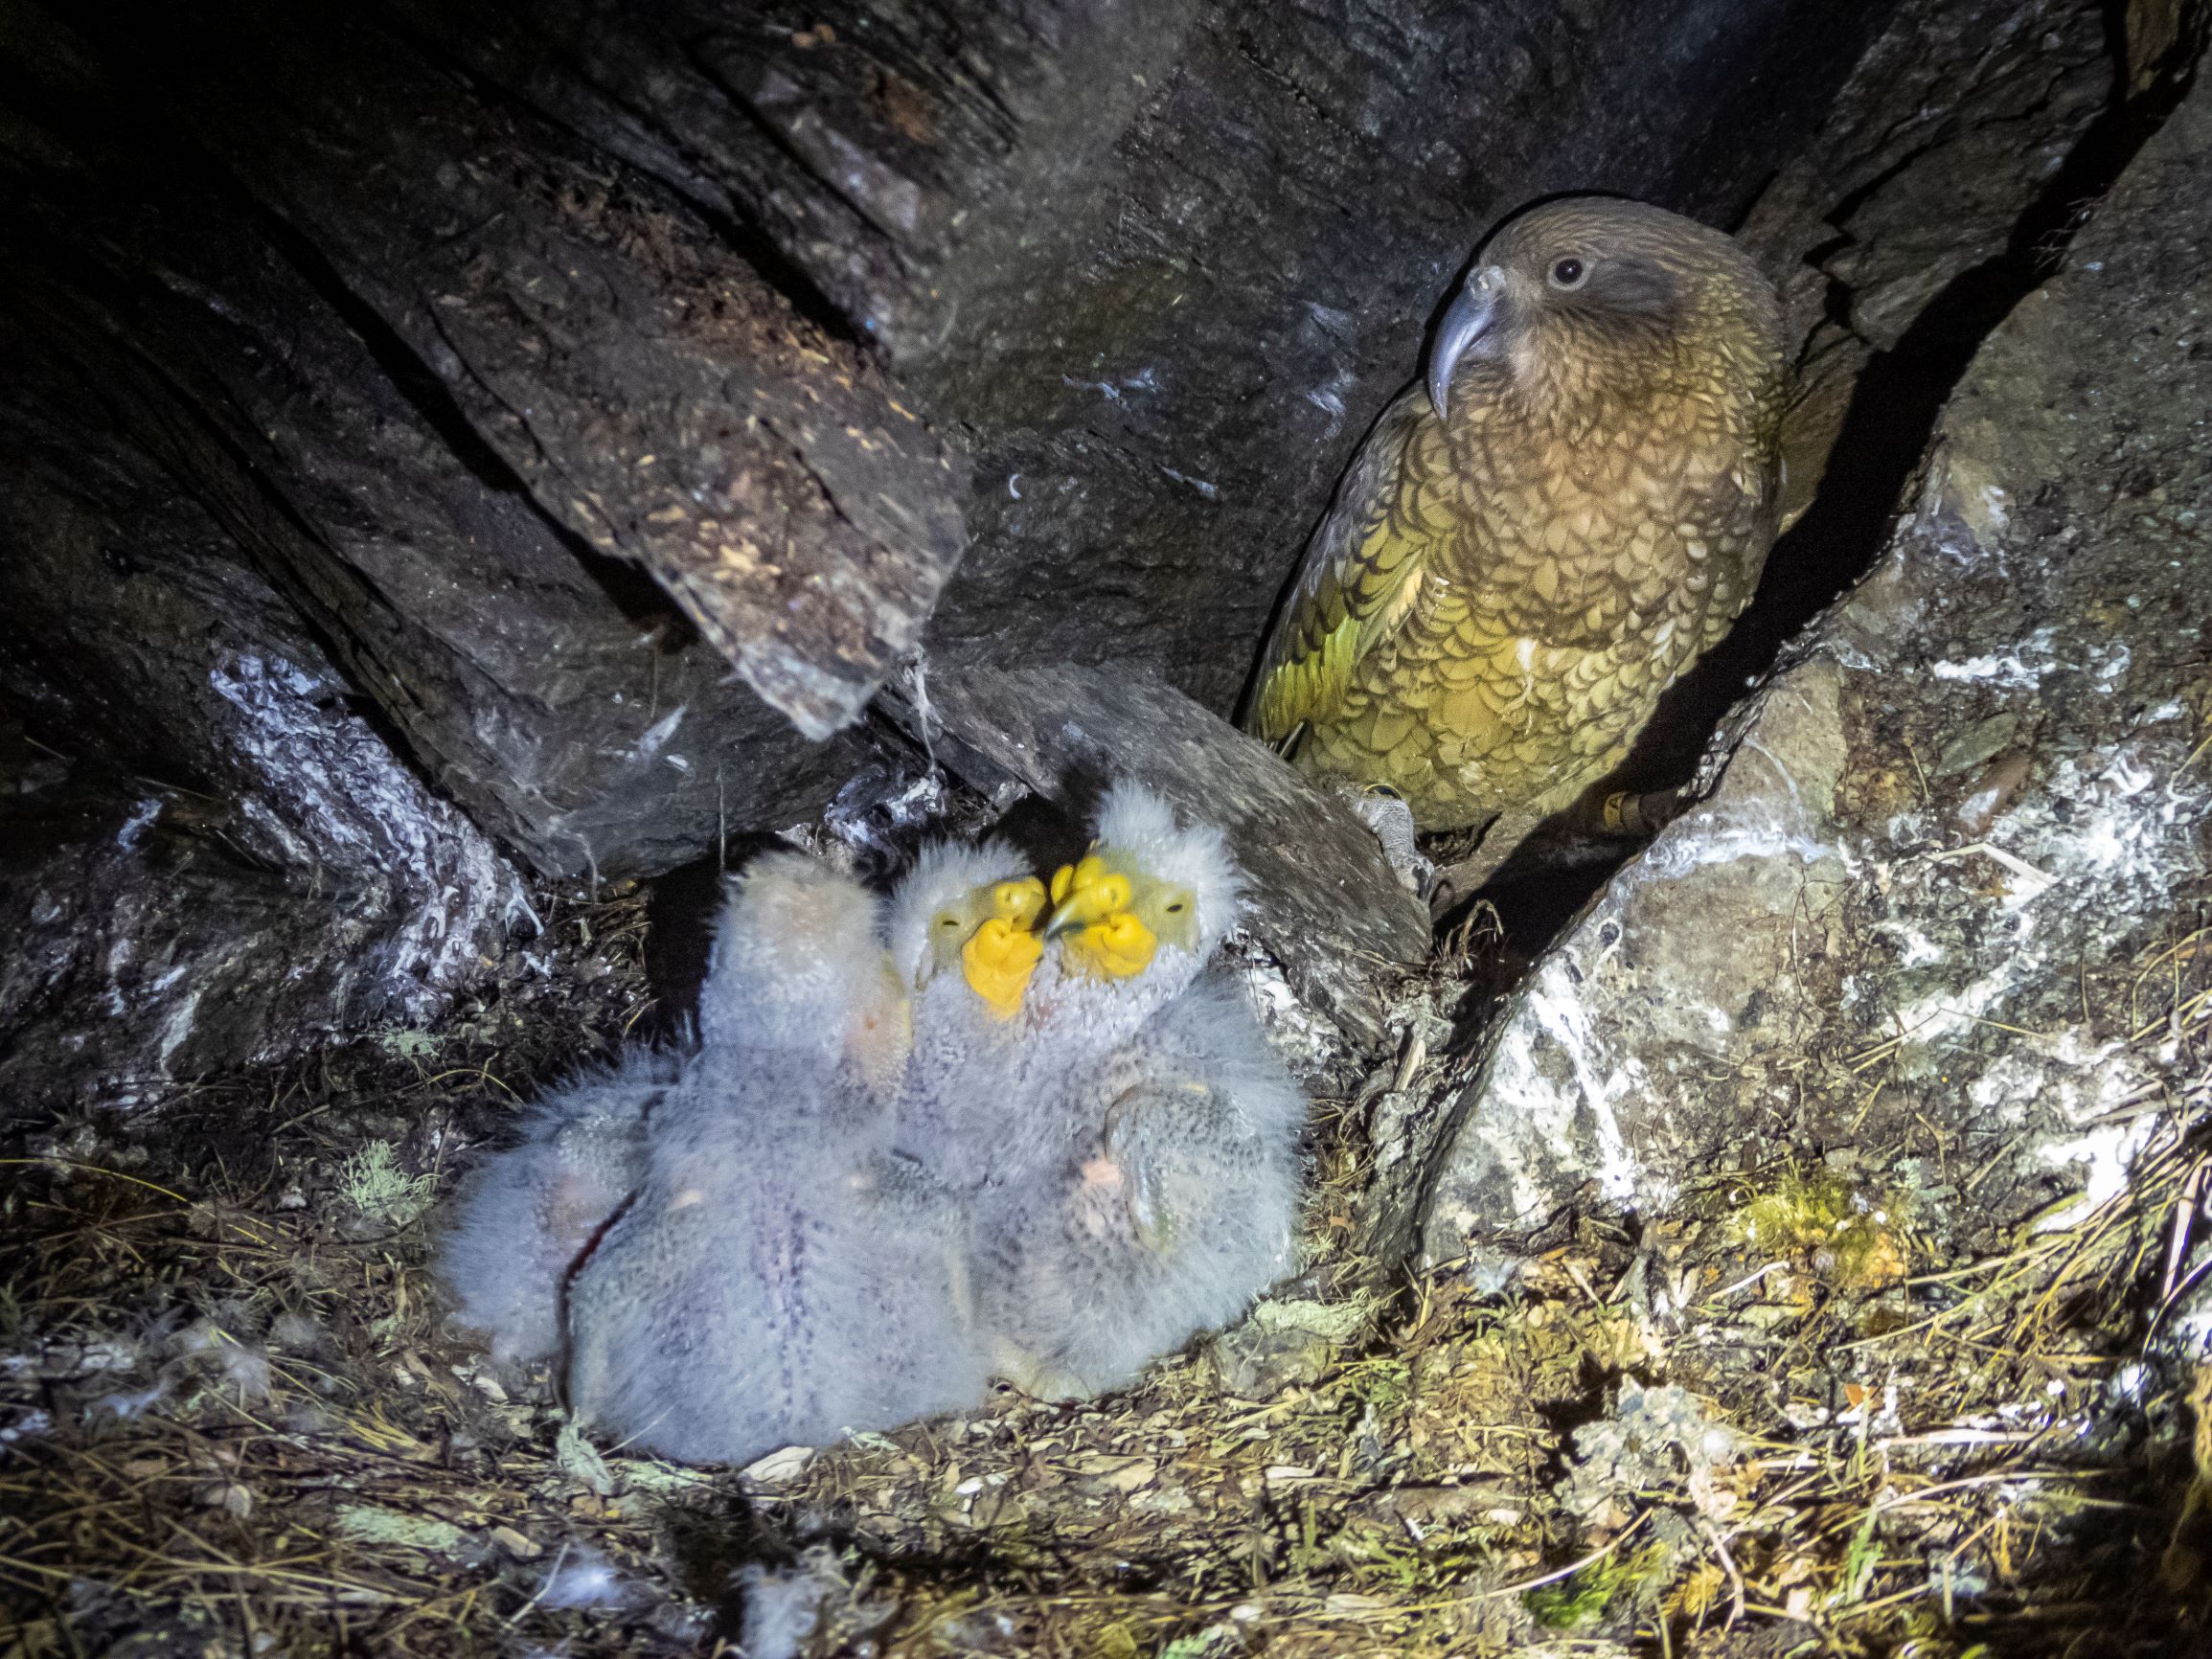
{"points": [[1105, 938], [1068, 876], [1083, 895], [997, 961], [1113, 947]]}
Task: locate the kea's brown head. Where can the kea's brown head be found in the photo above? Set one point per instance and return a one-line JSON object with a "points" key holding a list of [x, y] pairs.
{"points": [[1593, 297]]}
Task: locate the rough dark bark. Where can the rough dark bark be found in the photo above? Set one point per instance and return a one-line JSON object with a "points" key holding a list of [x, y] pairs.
{"points": [[585, 733], [242, 866], [656, 397], [426, 536], [147, 949], [1164, 259], [272, 875], [1890, 231]]}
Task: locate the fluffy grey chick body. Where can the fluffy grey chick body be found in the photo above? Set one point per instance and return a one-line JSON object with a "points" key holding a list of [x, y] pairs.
{"points": [[952, 908], [528, 1215], [1172, 1208], [770, 1284], [1147, 1178]]}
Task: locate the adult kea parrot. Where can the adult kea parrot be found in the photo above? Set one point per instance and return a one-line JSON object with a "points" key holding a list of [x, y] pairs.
{"points": [[1533, 545]]}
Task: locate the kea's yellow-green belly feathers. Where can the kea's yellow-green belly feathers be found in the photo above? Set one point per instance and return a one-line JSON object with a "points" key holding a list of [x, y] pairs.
{"points": [[1545, 609], [1519, 562]]}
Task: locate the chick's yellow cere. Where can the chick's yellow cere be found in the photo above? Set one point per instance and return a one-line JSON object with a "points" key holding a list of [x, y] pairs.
{"points": [[1114, 946], [1018, 903], [1537, 542], [986, 928]]}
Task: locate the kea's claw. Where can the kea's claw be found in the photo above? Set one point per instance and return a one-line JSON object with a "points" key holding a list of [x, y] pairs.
{"points": [[1390, 819]]}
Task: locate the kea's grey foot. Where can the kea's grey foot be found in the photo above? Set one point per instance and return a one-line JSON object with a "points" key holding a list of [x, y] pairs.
{"points": [[1390, 819]]}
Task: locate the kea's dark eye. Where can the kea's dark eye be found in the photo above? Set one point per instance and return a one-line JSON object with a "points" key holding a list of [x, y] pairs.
{"points": [[1568, 274], [1177, 908], [948, 922]]}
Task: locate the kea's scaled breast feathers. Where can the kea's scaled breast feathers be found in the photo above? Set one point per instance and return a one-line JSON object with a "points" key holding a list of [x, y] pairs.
{"points": [[1523, 556]]}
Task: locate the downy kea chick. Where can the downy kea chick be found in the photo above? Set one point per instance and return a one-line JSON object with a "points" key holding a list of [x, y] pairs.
{"points": [[1073, 1009], [1152, 1178], [963, 941], [797, 943], [529, 1214], [1181, 1213], [756, 1294], [1533, 545]]}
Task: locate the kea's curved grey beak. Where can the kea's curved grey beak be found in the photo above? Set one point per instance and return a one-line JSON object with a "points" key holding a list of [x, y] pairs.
{"points": [[1469, 317]]}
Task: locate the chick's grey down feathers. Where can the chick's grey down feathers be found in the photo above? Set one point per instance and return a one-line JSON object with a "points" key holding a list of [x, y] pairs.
{"points": [[529, 1214], [867, 1178], [768, 1285], [1149, 1185], [1071, 1021], [1169, 1208], [946, 1120]]}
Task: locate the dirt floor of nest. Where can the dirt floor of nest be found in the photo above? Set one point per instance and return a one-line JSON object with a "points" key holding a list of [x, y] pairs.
{"points": [[233, 1420]]}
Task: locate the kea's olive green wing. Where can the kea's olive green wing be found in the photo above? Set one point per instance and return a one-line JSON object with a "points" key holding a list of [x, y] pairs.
{"points": [[1362, 574]]}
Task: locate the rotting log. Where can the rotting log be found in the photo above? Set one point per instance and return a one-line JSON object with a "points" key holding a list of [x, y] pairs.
{"points": [[274, 583], [243, 865], [456, 382]]}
